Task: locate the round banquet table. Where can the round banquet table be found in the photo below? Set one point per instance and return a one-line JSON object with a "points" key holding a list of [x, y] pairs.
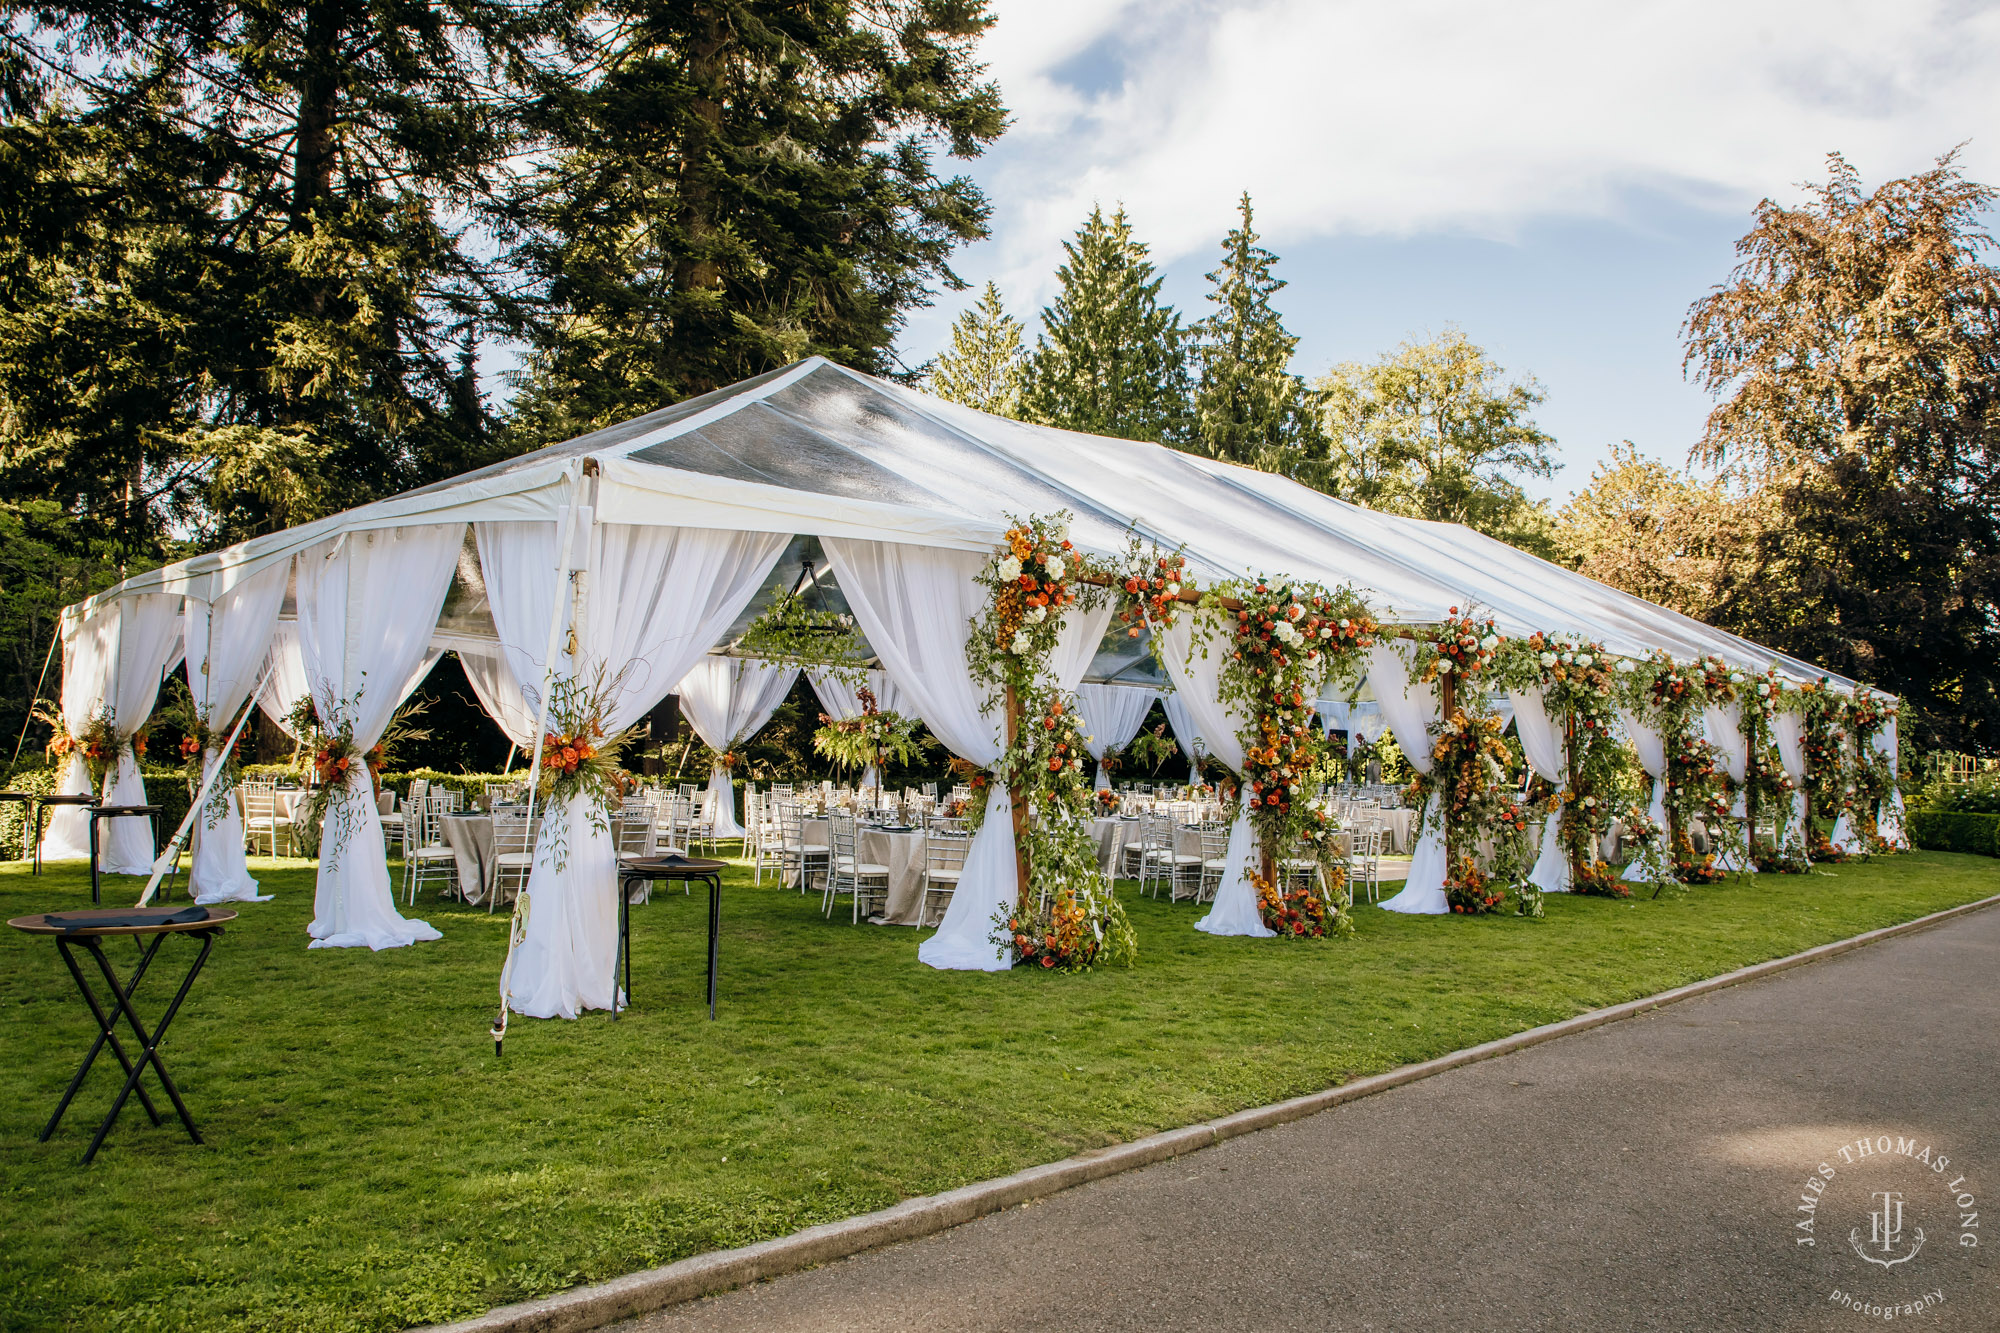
{"points": [[470, 838], [902, 852]]}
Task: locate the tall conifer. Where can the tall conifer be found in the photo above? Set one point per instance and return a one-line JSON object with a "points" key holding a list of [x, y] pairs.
{"points": [[982, 368], [1249, 406]]}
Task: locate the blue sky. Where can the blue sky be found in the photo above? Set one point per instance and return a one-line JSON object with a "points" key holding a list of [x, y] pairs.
{"points": [[1560, 179]]}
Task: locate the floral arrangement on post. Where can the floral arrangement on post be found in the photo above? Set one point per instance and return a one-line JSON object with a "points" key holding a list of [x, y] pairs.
{"points": [[1284, 646], [1513, 852], [579, 758], [875, 737], [1469, 776], [328, 760], [1461, 646], [97, 742], [1468, 889], [1767, 788], [1295, 913], [1067, 918], [197, 739]]}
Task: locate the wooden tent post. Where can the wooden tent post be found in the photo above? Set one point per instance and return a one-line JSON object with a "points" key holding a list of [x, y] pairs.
{"points": [[1019, 812], [1575, 847], [1749, 730], [1447, 705]]}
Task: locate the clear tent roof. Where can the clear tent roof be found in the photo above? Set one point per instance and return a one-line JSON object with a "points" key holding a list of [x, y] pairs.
{"points": [[819, 450]]}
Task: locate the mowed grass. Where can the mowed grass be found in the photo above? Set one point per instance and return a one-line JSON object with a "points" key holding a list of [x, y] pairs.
{"points": [[371, 1165]]}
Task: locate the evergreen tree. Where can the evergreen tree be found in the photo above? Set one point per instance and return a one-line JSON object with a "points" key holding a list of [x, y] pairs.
{"points": [[240, 279], [1111, 359], [747, 183], [983, 367], [1249, 407]]}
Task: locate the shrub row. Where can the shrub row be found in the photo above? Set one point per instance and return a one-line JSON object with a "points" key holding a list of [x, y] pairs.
{"points": [[164, 788], [1954, 831]]}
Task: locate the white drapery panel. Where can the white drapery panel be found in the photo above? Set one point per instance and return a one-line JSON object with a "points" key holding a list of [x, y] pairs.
{"points": [[287, 665], [1548, 752], [727, 700], [914, 604], [842, 700], [227, 642], [1196, 671], [1112, 716], [1651, 747], [1409, 709], [492, 681], [149, 631], [655, 600], [1181, 723], [368, 603], [89, 649], [1788, 730], [1889, 816]]}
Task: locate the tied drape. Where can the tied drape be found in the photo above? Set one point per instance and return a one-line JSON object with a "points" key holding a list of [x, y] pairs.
{"points": [[113, 661], [227, 641], [287, 665], [1196, 671], [915, 604], [1410, 708], [1112, 716], [727, 700], [653, 601], [368, 603], [1889, 814], [1185, 732], [1651, 747], [1548, 752]]}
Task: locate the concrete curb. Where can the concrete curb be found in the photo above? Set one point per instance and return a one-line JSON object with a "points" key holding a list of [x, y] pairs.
{"points": [[705, 1274]]}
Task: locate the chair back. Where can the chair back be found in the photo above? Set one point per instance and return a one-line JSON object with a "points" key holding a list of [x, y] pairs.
{"points": [[1214, 840], [513, 831], [945, 849], [632, 829], [845, 838]]}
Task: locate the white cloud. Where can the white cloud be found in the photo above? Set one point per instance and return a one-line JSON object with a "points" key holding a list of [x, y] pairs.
{"points": [[1454, 116]]}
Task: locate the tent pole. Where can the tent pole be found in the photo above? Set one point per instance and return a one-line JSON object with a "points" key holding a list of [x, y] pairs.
{"points": [[564, 540]]}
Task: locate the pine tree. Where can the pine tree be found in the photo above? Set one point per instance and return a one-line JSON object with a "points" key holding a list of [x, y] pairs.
{"points": [[1111, 359], [984, 365], [749, 182], [1249, 407]]}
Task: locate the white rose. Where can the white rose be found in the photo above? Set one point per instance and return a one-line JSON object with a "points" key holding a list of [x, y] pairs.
{"points": [[1444, 667], [1020, 644], [1343, 624], [1567, 658], [1173, 590], [1590, 801], [1490, 642], [1054, 565], [1736, 678], [1009, 569], [1038, 614], [1764, 690], [1624, 665], [1584, 659], [1326, 631], [1548, 659]]}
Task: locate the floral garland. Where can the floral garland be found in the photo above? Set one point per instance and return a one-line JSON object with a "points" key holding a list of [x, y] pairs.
{"points": [[1641, 828], [1767, 786], [1579, 689], [1069, 920], [1868, 713], [1829, 779], [1073, 921], [875, 737], [1284, 646], [1461, 646], [1694, 787]]}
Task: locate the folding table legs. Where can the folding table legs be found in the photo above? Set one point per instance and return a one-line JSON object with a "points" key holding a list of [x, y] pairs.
{"points": [[149, 1045]]}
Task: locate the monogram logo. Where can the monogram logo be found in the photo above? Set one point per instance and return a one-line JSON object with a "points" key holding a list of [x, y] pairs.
{"points": [[1885, 1232]]}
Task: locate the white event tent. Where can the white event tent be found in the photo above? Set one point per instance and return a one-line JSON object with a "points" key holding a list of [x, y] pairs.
{"points": [[685, 521]]}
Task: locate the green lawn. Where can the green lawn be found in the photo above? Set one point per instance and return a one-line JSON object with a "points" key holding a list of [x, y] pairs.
{"points": [[372, 1165]]}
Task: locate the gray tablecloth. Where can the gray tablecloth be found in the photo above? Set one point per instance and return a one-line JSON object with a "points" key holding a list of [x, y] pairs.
{"points": [[903, 853], [470, 838], [1395, 822]]}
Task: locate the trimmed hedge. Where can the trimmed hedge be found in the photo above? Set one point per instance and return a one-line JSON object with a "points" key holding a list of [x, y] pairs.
{"points": [[1952, 831], [164, 787]]}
